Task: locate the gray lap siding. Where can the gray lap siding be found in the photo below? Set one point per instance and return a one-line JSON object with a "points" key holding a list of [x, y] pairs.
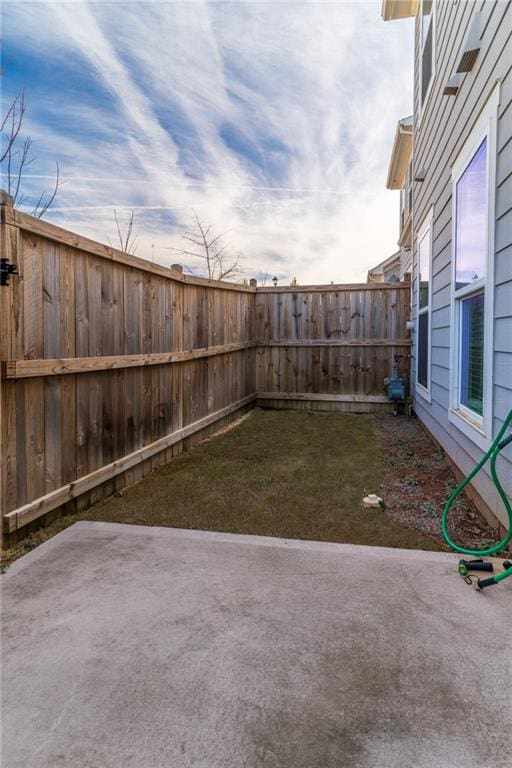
{"points": [[439, 136]]}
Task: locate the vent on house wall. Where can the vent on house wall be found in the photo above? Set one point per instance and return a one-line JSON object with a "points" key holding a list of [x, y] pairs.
{"points": [[453, 85], [471, 47]]}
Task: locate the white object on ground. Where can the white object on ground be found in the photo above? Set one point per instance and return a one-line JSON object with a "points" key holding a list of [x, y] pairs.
{"points": [[372, 500]]}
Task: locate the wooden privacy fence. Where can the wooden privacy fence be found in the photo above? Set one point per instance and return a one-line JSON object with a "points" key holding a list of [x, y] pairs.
{"points": [[331, 346], [110, 363]]}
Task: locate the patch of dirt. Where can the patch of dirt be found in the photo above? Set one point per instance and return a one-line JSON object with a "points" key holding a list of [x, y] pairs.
{"points": [[417, 479]]}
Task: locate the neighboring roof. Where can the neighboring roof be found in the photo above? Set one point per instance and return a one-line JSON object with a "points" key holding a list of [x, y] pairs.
{"points": [[401, 153], [376, 274], [398, 9]]}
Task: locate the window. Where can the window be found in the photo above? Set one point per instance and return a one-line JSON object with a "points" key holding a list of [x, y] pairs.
{"points": [[471, 232], [471, 217], [471, 214], [473, 181], [406, 198], [424, 300], [427, 22], [472, 353]]}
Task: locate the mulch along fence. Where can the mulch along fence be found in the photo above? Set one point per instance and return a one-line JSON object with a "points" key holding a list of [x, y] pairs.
{"points": [[111, 364]]}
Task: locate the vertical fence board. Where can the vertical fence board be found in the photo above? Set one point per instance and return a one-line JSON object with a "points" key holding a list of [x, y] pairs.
{"points": [[10, 317]]}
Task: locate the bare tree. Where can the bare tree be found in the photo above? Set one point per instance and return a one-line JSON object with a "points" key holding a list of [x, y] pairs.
{"points": [[11, 124], [127, 240], [46, 199], [15, 156], [263, 278], [210, 251]]}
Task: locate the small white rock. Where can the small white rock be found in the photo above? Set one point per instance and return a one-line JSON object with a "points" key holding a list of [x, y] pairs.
{"points": [[372, 500]]}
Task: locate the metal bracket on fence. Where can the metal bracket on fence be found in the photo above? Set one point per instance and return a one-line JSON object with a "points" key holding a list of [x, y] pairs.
{"points": [[6, 270]]}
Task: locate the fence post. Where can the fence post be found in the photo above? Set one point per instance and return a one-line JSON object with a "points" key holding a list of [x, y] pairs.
{"points": [[7, 391], [6, 199]]}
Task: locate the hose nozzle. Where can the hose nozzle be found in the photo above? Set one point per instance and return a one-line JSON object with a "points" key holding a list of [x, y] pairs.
{"points": [[474, 565]]}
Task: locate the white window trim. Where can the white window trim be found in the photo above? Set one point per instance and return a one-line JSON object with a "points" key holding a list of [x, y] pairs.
{"points": [[426, 226], [423, 104], [478, 429]]}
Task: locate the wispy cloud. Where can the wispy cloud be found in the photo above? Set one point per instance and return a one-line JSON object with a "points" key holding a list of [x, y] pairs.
{"points": [[274, 120]]}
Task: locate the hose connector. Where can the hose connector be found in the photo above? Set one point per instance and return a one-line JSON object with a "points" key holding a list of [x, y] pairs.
{"points": [[483, 583]]}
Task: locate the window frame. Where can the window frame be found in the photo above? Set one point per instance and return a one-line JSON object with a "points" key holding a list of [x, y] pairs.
{"points": [[425, 229], [424, 101], [477, 428]]}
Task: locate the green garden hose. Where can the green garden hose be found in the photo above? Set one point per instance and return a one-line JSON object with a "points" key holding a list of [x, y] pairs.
{"points": [[492, 454]]}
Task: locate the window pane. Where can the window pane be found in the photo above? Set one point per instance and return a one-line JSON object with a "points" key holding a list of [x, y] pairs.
{"points": [[423, 349], [472, 353], [426, 17], [471, 220], [426, 64], [424, 267]]}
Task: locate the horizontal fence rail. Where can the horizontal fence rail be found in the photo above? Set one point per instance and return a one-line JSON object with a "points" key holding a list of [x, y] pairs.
{"points": [[20, 369], [338, 343], [111, 364]]}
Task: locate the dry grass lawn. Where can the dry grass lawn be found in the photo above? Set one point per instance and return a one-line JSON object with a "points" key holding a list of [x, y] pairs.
{"points": [[291, 474]]}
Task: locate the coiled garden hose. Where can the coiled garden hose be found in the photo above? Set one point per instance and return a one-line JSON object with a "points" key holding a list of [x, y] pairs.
{"points": [[499, 443]]}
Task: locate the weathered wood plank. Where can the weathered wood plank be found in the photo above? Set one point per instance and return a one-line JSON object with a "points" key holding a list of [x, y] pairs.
{"points": [[33, 341], [328, 289], [52, 348], [34, 407], [336, 343], [9, 344], [20, 369], [323, 397], [338, 406], [8, 439]]}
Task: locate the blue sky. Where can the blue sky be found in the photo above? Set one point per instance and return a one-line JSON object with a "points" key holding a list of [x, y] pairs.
{"points": [[273, 120]]}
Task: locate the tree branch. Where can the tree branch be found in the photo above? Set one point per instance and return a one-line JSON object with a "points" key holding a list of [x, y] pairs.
{"points": [[41, 207], [14, 115], [16, 156], [211, 251], [129, 241]]}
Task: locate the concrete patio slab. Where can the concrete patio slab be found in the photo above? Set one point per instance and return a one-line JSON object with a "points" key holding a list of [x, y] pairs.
{"points": [[151, 647]]}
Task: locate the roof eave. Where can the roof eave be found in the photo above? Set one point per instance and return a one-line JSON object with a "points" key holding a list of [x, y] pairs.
{"points": [[400, 156], [399, 9], [378, 270]]}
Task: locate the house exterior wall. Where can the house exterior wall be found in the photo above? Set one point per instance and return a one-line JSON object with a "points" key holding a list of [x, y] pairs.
{"points": [[405, 263], [439, 136]]}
